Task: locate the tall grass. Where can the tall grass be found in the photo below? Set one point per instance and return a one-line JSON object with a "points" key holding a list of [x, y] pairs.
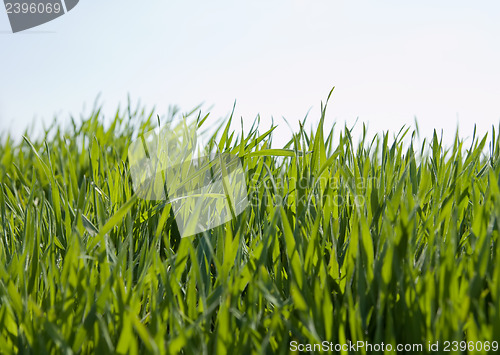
{"points": [[380, 241]]}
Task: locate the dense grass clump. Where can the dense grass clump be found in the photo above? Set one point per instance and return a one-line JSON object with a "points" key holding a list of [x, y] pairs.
{"points": [[382, 241]]}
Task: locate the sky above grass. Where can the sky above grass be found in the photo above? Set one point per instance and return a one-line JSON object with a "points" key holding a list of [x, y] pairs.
{"points": [[390, 61]]}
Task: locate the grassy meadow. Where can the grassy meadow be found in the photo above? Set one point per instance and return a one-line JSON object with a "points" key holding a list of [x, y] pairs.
{"points": [[380, 239]]}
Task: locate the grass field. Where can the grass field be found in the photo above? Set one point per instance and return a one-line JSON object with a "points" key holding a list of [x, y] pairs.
{"points": [[379, 241]]}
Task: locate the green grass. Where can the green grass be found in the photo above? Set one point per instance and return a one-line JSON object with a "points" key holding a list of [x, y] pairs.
{"points": [[382, 241]]}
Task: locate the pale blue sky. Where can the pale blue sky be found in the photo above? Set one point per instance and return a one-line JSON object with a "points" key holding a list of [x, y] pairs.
{"points": [[389, 61]]}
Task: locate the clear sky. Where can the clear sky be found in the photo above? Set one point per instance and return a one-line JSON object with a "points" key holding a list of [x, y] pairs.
{"points": [[390, 61]]}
